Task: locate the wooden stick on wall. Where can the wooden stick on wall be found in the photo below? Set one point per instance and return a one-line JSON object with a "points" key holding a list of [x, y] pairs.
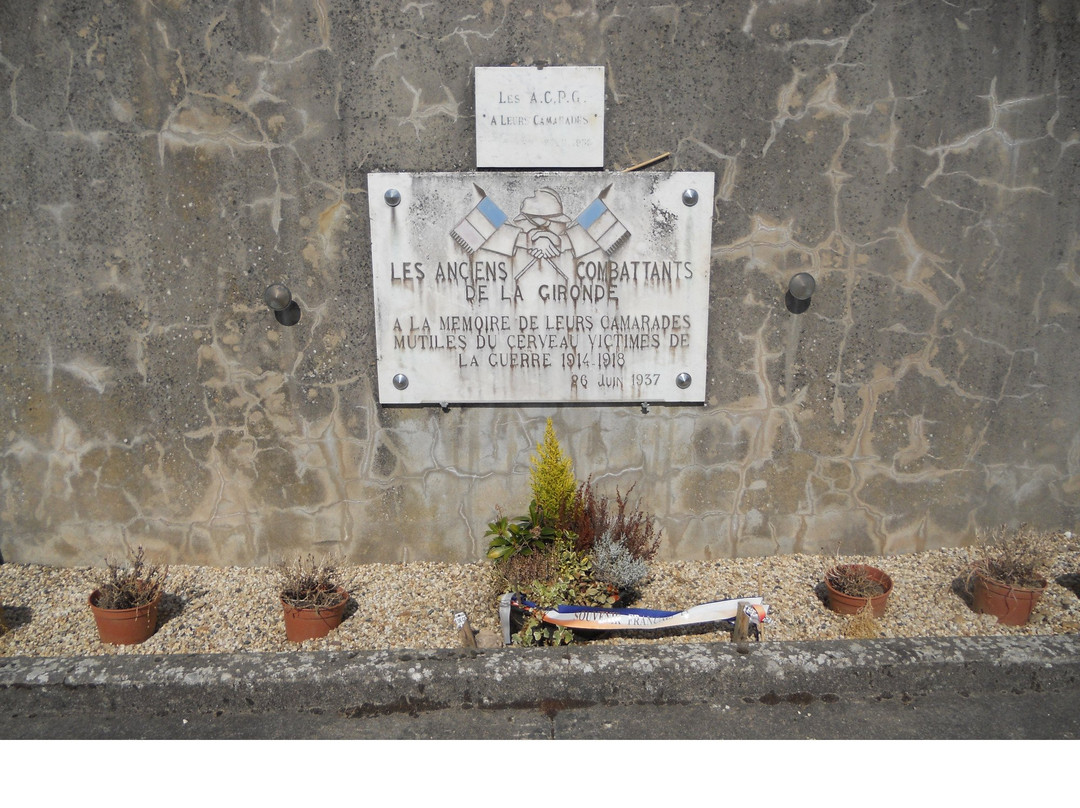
{"points": [[742, 624]]}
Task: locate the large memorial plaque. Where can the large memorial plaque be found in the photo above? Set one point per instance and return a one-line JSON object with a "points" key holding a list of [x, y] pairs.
{"points": [[541, 287], [529, 117]]}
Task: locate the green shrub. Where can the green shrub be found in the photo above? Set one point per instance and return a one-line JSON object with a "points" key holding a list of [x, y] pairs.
{"points": [[574, 547], [522, 536], [552, 477], [568, 578]]}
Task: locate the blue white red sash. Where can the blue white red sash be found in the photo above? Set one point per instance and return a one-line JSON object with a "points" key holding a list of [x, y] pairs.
{"points": [[596, 619]]}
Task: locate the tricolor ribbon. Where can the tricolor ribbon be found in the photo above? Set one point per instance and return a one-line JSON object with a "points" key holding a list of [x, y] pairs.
{"points": [[597, 619]]}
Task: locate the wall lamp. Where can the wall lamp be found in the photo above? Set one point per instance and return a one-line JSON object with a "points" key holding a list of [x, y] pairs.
{"points": [[279, 300], [799, 291]]}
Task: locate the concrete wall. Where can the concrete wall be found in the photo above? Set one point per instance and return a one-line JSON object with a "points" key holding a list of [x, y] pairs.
{"points": [[162, 162]]}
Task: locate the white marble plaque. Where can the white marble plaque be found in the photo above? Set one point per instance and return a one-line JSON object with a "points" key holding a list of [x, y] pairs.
{"points": [[522, 287], [530, 117]]}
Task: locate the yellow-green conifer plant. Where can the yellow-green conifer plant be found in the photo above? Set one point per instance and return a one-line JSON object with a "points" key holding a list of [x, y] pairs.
{"points": [[552, 477]]}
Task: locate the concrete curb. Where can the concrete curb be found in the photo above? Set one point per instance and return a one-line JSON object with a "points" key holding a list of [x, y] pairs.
{"points": [[382, 682]]}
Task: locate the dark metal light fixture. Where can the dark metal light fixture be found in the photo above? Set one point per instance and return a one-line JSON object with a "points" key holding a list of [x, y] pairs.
{"points": [[801, 286], [279, 300], [277, 296], [799, 291]]}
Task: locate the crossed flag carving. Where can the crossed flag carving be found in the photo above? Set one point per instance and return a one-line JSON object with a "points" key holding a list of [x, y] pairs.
{"points": [[548, 230]]}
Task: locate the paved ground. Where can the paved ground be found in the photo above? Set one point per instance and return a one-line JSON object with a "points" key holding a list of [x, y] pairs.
{"points": [[940, 688], [1006, 716]]}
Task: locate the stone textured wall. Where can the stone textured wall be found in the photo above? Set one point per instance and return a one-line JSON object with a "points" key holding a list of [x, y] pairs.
{"points": [[162, 162]]}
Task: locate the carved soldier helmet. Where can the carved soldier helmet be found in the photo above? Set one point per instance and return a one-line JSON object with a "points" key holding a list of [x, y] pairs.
{"points": [[544, 204]]}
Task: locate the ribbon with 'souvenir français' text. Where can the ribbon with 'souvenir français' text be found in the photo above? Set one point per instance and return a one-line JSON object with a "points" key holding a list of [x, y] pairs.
{"points": [[596, 619]]}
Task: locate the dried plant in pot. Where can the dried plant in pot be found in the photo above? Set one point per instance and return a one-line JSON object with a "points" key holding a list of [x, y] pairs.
{"points": [[312, 598], [852, 586], [125, 603], [1008, 575]]}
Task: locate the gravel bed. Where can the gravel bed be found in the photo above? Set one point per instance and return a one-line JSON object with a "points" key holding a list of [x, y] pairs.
{"points": [[411, 606]]}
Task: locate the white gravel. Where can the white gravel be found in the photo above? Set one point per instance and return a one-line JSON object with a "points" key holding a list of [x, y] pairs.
{"points": [[411, 606]]}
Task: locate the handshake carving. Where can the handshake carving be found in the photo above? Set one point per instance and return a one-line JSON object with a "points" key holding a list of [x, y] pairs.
{"points": [[544, 244]]}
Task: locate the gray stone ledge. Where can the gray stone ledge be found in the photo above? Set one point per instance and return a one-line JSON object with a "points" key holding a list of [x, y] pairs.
{"points": [[359, 683]]}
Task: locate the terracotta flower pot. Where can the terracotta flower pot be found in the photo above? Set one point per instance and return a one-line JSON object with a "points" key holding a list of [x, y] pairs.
{"points": [[1011, 605], [125, 626], [307, 624], [850, 604]]}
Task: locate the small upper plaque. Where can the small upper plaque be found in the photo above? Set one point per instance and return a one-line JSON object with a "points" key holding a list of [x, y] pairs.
{"points": [[531, 117]]}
